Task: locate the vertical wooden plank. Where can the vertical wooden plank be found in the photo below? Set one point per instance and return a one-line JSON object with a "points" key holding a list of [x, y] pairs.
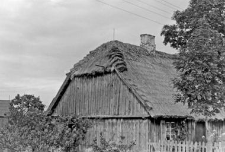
{"points": [[163, 130], [103, 102], [175, 146], [91, 97], [87, 96], [184, 147], [77, 97], [91, 88], [196, 147], [84, 96], [109, 92], [80, 96], [104, 99], [100, 96], [113, 98], [187, 146], [136, 134], [116, 102], [150, 130], [73, 97], [97, 92], [123, 100], [179, 147], [145, 130]]}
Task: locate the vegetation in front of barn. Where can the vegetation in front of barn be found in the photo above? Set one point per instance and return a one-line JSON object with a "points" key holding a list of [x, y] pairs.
{"points": [[30, 129], [104, 145]]}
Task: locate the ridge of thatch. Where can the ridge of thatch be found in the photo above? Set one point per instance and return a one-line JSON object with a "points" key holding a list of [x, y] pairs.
{"points": [[96, 61], [148, 75]]}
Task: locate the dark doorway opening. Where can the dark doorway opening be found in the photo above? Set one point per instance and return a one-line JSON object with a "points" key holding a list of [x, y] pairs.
{"points": [[200, 131]]}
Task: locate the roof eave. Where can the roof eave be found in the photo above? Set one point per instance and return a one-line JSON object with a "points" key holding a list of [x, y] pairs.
{"points": [[59, 94]]}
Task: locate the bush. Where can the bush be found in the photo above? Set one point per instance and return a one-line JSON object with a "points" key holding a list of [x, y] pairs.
{"points": [[111, 146]]}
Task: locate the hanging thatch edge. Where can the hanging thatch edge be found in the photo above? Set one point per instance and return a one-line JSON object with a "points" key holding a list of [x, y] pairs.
{"points": [[141, 101]]}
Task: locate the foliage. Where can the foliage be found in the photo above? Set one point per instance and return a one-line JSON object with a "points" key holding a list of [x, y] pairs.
{"points": [[31, 128], [110, 145], [181, 131], [213, 136], [27, 103], [70, 132], [201, 69], [178, 34]]}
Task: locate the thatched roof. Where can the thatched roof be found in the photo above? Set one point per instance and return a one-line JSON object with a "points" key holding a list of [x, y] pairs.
{"points": [[4, 107], [147, 75]]}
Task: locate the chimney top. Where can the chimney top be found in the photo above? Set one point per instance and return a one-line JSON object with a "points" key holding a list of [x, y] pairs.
{"points": [[148, 42], [147, 35]]}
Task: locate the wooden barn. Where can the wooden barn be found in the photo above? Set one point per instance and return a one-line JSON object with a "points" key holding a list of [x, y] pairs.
{"points": [[127, 90], [4, 110]]}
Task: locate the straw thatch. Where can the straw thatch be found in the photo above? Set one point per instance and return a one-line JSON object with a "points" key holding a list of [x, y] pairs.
{"points": [[147, 75]]}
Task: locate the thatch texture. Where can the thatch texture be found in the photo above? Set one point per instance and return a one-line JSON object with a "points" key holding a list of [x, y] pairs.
{"points": [[147, 75]]}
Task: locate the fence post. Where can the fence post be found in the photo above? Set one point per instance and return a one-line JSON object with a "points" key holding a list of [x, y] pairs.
{"points": [[187, 146], [175, 146], [220, 148], [163, 146], [209, 147], [195, 146], [203, 146]]}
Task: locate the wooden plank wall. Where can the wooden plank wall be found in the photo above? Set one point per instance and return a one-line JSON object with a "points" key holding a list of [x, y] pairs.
{"points": [[190, 124], [191, 130], [154, 130], [134, 130], [218, 126], [100, 95]]}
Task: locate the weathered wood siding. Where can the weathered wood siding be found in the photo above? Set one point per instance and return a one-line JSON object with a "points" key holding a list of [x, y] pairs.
{"points": [[217, 126], [191, 130], [100, 95], [190, 126], [133, 130]]}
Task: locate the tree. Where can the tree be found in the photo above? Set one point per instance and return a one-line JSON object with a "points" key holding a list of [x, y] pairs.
{"points": [[29, 127], [27, 103], [177, 35], [201, 70]]}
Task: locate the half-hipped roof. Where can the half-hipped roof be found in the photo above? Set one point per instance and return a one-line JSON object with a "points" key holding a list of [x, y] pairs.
{"points": [[147, 75]]}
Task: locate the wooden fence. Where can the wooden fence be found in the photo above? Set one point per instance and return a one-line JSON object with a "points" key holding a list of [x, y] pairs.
{"points": [[173, 146]]}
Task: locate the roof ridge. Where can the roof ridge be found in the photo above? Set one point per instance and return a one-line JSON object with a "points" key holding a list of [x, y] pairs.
{"points": [[116, 59], [133, 51]]}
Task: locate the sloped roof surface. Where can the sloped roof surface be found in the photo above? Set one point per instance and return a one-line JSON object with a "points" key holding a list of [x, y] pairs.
{"points": [[149, 75], [4, 107]]}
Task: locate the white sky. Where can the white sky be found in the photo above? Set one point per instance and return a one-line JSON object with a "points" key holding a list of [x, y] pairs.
{"points": [[40, 40]]}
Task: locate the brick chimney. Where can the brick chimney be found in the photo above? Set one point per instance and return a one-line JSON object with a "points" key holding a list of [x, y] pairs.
{"points": [[148, 42]]}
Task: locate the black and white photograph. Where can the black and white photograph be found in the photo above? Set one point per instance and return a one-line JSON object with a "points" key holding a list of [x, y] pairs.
{"points": [[112, 75]]}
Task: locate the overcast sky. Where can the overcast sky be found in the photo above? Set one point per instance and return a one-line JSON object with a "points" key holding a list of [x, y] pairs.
{"points": [[40, 40]]}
